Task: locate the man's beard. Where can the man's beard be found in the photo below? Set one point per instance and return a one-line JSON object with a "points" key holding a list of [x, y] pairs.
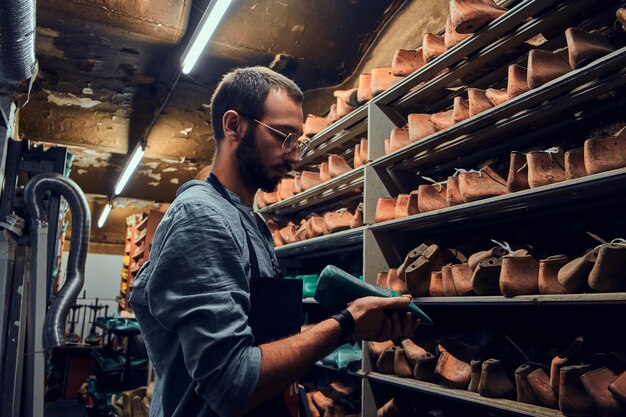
{"points": [[253, 172]]}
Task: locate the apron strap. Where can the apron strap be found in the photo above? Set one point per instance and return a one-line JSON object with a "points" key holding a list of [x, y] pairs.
{"points": [[254, 261]]}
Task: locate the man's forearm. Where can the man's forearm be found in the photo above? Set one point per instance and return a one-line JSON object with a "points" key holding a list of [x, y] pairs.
{"points": [[283, 361]]}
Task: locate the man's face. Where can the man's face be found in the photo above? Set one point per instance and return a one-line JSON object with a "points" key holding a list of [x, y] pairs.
{"points": [[261, 160]]}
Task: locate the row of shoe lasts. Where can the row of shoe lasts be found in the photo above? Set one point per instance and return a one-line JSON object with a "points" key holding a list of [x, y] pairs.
{"points": [[576, 384], [326, 402], [526, 170], [133, 403], [466, 17], [314, 225], [429, 270], [288, 187], [543, 66]]}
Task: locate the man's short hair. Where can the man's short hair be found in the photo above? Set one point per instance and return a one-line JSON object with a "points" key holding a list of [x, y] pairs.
{"points": [[245, 90]]}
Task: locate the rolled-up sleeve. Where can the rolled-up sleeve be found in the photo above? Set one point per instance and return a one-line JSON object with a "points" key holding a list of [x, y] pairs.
{"points": [[198, 289]]}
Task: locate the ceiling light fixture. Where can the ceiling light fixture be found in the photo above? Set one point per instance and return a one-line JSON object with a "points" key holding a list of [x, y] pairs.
{"points": [[212, 17], [104, 215], [130, 167]]}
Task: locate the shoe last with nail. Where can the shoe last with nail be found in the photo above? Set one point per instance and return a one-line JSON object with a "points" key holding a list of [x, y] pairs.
{"points": [[517, 81], [431, 197], [453, 193], [486, 276], [417, 274], [575, 164], [363, 149], [270, 198], [478, 257], [396, 283], [406, 61], [315, 124], [545, 167], [338, 220], [288, 233], [497, 96], [324, 172], [411, 257], [348, 97], [584, 47], [260, 204], [357, 161], [406, 205], [607, 274], [548, 274], [571, 355], [435, 288], [382, 79], [470, 15], [519, 275], [310, 179], [462, 276], [412, 350], [597, 384], [337, 166], [420, 126], [364, 90], [605, 153], [574, 275], [432, 46], [385, 209], [518, 173], [286, 188], [382, 280], [317, 227], [449, 289], [482, 184], [460, 109], [451, 37], [451, 370], [399, 138], [544, 66], [618, 387], [357, 218], [525, 393], [478, 101], [385, 362], [425, 366], [493, 381], [477, 367], [442, 120], [343, 108], [573, 397], [540, 384], [401, 365], [375, 349]]}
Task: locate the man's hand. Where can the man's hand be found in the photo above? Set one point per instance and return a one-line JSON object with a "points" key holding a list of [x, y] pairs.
{"points": [[376, 320]]}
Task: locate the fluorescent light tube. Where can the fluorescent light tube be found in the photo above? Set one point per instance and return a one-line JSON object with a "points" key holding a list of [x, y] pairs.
{"points": [[104, 215], [130, 167], [201, 37]]}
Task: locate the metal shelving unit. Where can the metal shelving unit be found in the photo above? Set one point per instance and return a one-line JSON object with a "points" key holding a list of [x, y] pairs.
{"points": [[523, 120]]}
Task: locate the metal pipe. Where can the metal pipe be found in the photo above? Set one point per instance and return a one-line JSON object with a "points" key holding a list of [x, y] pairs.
{"points": [[17, 40], [56, 316]]}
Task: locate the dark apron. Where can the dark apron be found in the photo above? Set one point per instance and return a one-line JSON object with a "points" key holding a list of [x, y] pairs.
{"points": [[275, 312]]}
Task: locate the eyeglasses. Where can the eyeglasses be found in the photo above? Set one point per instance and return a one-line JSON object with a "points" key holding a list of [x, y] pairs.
{"points": [[290, 141]]}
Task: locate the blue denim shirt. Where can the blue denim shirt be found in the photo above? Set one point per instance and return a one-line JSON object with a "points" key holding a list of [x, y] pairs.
{"points": [[192, 300]]}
